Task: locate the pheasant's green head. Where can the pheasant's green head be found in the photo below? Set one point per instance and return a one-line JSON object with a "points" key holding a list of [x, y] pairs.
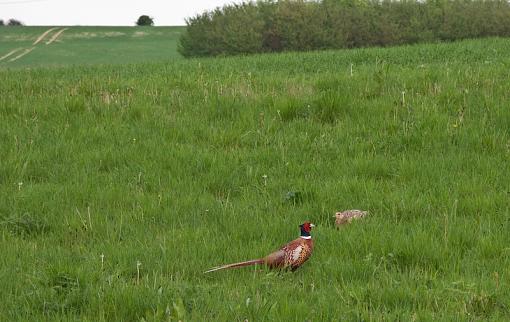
{"points": [[306, 228]]}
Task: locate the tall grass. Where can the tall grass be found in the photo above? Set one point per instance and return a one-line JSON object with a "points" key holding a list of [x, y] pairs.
{"points": [[120, 185]]}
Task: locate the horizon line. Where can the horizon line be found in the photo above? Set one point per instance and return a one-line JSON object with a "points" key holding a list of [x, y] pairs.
{"points": [[96, 26]]}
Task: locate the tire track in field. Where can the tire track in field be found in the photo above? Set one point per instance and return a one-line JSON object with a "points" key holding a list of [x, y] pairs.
{"points": [[22, 54], [56, 35], [9, 54], [41, 37], [37, 41]]}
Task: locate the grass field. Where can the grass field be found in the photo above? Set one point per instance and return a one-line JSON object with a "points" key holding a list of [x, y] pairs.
{"points": [[121, 184], [88, 45]]}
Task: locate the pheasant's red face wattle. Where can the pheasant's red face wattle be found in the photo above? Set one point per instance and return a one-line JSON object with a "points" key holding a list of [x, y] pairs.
{"points": [[307, 226]]}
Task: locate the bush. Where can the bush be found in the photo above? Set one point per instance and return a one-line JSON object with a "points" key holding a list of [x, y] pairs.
{"points": [[235, 29], [14, 22], [2, 23], [299, 25], [145, 20]]}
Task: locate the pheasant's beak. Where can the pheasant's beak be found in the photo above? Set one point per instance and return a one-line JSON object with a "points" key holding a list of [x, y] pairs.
{"points": [[312, 225]]}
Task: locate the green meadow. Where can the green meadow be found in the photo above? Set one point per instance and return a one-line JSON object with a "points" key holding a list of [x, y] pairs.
{"points": [[88, 45], [120, 184]]}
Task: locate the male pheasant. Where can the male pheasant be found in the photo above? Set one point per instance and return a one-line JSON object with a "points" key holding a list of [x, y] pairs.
{"points": [[291, 255]]}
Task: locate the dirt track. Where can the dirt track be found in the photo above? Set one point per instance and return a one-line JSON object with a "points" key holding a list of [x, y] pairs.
{"points": [[55, 36], [41, 37], [38, 40], [22, 54], [9, 54]]}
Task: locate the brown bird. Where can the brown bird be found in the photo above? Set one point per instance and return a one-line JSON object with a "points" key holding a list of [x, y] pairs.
{"points": [[291, 255], [345, 217]]}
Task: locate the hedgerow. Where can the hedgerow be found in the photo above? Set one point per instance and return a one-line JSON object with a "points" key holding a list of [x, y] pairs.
{"points": [[298, 25]]}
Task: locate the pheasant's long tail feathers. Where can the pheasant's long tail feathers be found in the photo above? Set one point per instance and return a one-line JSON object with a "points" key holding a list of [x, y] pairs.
{"points": [[235, 265]]}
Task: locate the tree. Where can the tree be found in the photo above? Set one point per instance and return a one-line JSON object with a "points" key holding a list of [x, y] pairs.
{"points": [[14, 22], [2, 22], [145, 20]]}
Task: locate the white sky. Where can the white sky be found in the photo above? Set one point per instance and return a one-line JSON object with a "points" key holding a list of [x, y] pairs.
{"points": [[104, 12]]}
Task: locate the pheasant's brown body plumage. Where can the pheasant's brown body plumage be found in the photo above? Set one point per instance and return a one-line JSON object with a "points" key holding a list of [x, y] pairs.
{"points": [[291, 255]]}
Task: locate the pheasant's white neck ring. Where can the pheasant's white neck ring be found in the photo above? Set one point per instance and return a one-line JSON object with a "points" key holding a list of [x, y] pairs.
{"points": [[306, 237]]}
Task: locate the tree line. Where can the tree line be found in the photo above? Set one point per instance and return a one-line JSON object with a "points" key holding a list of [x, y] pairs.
{"points": [[11, 22], [299, 25]]}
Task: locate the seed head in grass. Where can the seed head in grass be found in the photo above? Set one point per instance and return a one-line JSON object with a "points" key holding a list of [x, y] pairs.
{"points": [[345, 217]]}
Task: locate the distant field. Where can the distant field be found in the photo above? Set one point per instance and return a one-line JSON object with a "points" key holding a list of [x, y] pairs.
{"points": [[121, 184], [87, 45]]}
